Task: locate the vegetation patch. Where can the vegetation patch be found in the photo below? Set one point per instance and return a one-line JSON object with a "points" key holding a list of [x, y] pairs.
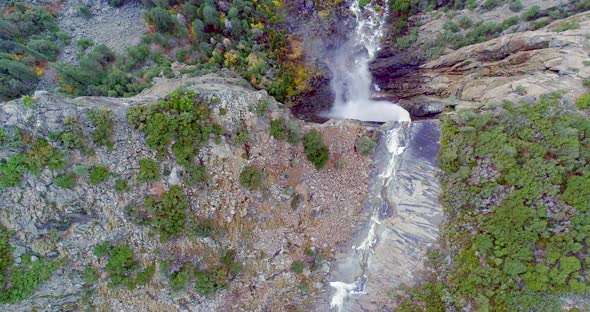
{"points": [[149, 170], [102, 120], [19, 281], [122, 267], [518, 178], [30, 38], [98, 174], [315, 149], [251, 177], [365, 145], [167, 216]]}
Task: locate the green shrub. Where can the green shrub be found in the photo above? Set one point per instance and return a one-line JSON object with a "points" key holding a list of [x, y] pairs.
{"points": [[241, 136], [261, 108], [28, 101], [583, 101], [17, 282], [491, 4], [532, 13], [168, 215], [195, 175], [315, 149], [567, 25], [160, 18], [121, 186], [465, 22], [65, 180], [297, 266], [102, 120], [179, 279], [293, 132], [209, 282], [365, 145], [116, 3], [72, 137], [149, 170], [520, 90], [121, 264], [515, 6], [511, 21], [145, 276], [251, 177], [539, 23], [90, 276], [277, 129], [85, 11], [98, 174]]}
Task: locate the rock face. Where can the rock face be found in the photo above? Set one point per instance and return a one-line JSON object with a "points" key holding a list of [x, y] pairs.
{"points": [[514, 67], [299, 207]]}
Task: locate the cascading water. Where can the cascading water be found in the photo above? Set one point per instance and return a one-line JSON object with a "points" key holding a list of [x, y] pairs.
{"points": [[392, 245], [351, 78]]}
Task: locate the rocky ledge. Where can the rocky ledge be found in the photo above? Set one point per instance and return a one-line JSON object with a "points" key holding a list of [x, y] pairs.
{"points": [[515, 67]]}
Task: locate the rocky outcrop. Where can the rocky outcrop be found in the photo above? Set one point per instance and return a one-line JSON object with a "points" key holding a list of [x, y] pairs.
{"points": [[515, 67], [299, 207]]}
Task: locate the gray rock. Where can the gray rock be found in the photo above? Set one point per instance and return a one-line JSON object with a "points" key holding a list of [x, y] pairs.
{"points": [[427, 109]]}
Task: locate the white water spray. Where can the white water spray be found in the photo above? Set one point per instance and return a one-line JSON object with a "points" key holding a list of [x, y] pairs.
{"points": [[351, 82]]}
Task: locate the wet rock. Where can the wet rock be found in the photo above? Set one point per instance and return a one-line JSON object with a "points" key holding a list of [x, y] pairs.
{"points": [[427, 109]]}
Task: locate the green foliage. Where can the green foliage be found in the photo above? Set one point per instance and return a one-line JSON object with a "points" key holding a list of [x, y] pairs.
{"points": [[297, 266], [85, 11], [568, 25], [72, 137], [583, 101], [121, 186], [293, 131], [532, 13], [167, 216], [29, 37], [161, 19], [90, 276], [277, 129], [251, 177], [241, 136], [179, 279], [315, 149], [406, 42], [65, 180], [195, 175], [98, 174], [511, 21], [491, 4], [516, 6], [145, 276], [518, 178], [39, 155], [102, 120], [28, 101], [261, 108], [465, 22], [18, 282], [365, 145], [181, 117], [149, 170], [121, 264], [209, 282]]}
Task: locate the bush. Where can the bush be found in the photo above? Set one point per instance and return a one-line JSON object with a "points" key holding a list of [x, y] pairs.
{"points": [[490, 4], [149, 170], [102, 120], [209, 282], [90, 276], [251, 177], [195, 175], [277, 129], [65, 180], [121, 264], [515, 6], [167, 215], [241, 136], [179, 279], [121, 186], [161, 19], [532, 13], [567, 25], [511, 21], [365, 145], [465, 22], [315, 149], [98, 174], [583, 101], [297, 266], [17, 282], [116, 3], [72, 137]]}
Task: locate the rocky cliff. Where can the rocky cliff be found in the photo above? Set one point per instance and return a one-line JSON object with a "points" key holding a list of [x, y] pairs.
{"points": [[516, 67], [295, 214]]}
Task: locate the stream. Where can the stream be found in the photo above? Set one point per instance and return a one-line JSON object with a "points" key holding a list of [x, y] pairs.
{"points": [[402, 208]]}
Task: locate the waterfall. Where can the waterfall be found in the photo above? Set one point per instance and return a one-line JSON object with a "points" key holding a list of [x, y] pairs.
{"points": [[351, 79]]}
